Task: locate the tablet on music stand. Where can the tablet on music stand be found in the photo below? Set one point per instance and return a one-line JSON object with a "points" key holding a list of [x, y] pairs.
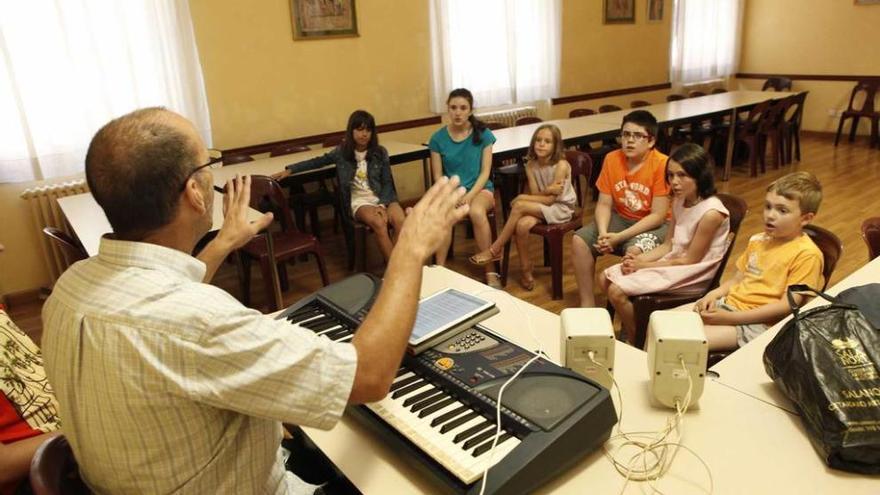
{"points": [[445, 314]]}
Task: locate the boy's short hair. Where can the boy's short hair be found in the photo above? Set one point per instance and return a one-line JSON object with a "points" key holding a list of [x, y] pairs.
{"points": [[642, 118], [801, 186]]}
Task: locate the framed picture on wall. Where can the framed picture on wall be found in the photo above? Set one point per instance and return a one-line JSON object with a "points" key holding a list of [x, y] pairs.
{"points": [[620, 11], [655, 10], [319, 19], [867, 2]]}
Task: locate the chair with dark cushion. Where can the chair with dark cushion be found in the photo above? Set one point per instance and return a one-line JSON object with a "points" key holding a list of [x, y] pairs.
{"points": [[777, 84], [72, 250], [791, 126], [639, 103], [831, 247], [267, 195], [609, 108], [867, 110], [646, 304], [718, 91], [236, 158], [695, 94], [871, 235], [306, 201], [749, 132], [581, 112], [54, 470], [553, 235], [288, 149], [675, 97], [494, 126]]}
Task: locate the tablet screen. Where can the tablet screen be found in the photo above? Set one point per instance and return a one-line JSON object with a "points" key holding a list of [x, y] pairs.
{"points": [[443, 310]]}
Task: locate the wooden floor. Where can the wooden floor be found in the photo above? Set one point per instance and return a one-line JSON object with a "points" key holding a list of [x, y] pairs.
{"points": [[850, 176]]}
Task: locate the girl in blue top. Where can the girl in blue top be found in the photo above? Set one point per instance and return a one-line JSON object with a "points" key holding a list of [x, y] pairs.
{"points": [[464, 148]]}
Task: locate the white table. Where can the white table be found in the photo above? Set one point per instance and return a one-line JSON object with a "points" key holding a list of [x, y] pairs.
{"points": [[744, 369], [397, 153], [750, 447], [89, 222]]}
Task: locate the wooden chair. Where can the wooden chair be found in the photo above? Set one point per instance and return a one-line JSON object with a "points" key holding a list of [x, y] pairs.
{"points": [[718, 91], [695, 94], [869, 88], [771, 130], [871, 235], [609, 108], [831, 247], [494, 126], [639, 103], [675, 97], [646, 304], [581, 112], [267, 195], [791, 126], [54, 470], [288, 149], [527, 120], [236, 158], [357, 243], [553, 235], [777, 84], [748, 132], [72, 250]]}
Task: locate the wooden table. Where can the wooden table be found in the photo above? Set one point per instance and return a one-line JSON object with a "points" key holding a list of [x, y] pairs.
{"points": [[89, 222], [397, 153], [744, 369], [749, 446]]}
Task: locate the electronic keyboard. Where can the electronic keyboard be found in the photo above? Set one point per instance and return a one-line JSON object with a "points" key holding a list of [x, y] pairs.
{"points": [[441, 410]]}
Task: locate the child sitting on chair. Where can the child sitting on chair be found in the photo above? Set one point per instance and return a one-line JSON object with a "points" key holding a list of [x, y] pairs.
{"points": [[743, 306], [551, 199], [694, 246]]}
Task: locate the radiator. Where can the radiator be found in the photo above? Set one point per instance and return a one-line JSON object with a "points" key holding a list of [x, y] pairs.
{"points": [[507, 116], [45, 212]]}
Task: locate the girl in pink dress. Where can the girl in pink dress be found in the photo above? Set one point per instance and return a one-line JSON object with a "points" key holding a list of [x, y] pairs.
{"points": [[694, 246]]}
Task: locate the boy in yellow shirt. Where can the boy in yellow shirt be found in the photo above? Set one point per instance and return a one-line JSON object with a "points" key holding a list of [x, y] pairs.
{"points": [[743, 307]]}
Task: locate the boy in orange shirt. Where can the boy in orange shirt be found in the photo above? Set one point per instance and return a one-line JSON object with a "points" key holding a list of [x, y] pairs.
{"points": [[633, 182], [742, 307]]}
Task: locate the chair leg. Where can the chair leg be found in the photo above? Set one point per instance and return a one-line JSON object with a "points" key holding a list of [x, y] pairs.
{"points": [[283, 282], [797, 143], [266, 270], [555, 242], [361, 253], [505, 264], [244, 279], [839, 131], [313, 219], [319, 258], [853, 128]]}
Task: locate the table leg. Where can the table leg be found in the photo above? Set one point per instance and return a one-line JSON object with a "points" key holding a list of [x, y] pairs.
{"points": [[426, 173], [728, 156]]}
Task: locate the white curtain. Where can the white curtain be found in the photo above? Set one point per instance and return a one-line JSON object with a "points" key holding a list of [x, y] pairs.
{"points": [[504, 51], [705, 40], [67, 67]]}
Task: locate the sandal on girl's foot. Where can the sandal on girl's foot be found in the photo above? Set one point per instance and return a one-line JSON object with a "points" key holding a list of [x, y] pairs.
{"points": [[493, 280], [485, 257], [527, 283]]}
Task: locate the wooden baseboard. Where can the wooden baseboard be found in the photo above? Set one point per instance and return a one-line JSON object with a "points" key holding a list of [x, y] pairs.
{"points": [[28, 296]]}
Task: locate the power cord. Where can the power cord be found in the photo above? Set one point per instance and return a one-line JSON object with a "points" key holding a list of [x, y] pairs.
{"points": [[655, 450]]}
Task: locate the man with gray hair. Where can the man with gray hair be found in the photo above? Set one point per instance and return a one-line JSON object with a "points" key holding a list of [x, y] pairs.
{"points": [[167, 384]]}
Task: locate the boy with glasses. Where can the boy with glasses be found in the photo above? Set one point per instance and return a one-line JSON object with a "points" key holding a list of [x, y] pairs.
{"points": [[633, 206]]}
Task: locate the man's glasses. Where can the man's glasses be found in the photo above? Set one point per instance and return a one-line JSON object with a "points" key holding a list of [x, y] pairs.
{"points": [[635, 136], [215, 161]]}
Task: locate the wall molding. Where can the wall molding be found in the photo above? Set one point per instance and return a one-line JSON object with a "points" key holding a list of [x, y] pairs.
{"points": [[614, 92], [807, 77], [256, 149]]}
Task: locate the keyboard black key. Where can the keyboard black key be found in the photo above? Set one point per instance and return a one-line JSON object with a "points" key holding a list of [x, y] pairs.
{"points": [[409, 388], [419, 396], [321, 324], [477, 440], [401, 371], [404, 382], [436, 407], [473, 430], [337, 334], [482, 449], [455, 423], [418, 406], [302, 315], [449, 415]]}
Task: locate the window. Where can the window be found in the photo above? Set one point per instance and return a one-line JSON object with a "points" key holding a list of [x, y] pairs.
{"points": [[66, 68], [705, 40], [504, 51]]}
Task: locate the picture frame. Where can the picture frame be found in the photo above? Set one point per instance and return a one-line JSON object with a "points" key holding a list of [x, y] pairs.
{"points": [[322, 19], [655, 11], [867, 2], [619, 11]]}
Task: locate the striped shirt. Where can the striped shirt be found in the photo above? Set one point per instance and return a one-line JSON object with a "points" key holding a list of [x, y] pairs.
{"points": [[169, 385]]}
